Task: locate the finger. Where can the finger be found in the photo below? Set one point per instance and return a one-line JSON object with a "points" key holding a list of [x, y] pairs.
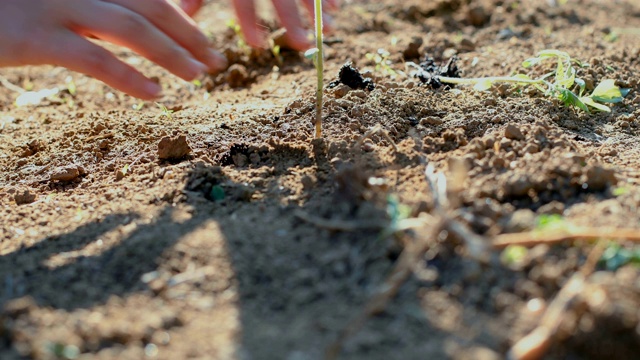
{"points": [[246, 13], [81, 55], [327, 20], [166, 16], [191, 7], [289, 16], [123, 27], [332, 5]]}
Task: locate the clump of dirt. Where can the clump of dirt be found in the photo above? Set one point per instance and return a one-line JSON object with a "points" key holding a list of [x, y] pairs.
{"points": [[242, 155], [351, 76], [429, 72], [173, 148]]}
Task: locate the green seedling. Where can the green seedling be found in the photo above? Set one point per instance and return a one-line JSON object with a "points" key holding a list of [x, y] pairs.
{"points": [[318, 60], [235, 27], [561, 83], [514, 255], [217, 193], [71, 86], [165, 112], [551, 222], [275, 50], [381, 60], [62, 351], [620, 190], [138, 106], [616, 256]]}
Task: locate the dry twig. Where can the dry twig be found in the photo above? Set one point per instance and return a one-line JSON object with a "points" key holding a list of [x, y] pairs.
{"points": [[569, 234], [535, 344]]}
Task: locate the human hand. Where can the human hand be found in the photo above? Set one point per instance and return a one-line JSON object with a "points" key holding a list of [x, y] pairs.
{"points": [[35, 32], [289, 17], [287, 12]]}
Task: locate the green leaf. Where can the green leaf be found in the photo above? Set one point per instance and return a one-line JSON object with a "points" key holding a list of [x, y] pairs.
{"points": [[589, 101], [513, 254], [607, 91], [549, 222], [217, 193], [482, 85], [582, 85], [531, 62], [571, 99], [616, 256], [620, 190], [550, 53], [311, 53], [565, 76]]}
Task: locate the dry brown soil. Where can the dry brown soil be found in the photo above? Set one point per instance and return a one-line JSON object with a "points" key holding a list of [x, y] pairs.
{"points": [[108, 251]]}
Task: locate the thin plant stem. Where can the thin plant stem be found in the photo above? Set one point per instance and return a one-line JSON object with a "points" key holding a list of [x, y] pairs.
{"points": [[505, 79], [319, 67]]}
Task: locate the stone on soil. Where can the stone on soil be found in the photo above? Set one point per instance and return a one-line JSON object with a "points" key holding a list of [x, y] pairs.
{"points": [[173, 148]]}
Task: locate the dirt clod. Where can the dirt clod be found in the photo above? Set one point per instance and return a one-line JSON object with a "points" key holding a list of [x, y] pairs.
{"points": [[237, 76], [65, 173], [173, 148], [352, 77], [512, 132], [412, 51], [22, 197], [429, 72]]}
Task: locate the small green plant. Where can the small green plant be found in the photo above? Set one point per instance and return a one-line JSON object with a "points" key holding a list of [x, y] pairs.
{"points": [[318, 59], [620, 190], [616, 256], [551, 222], [165, 112], [514, 255], [235, 27], [275, 50], [561, 83], [381, 60]]}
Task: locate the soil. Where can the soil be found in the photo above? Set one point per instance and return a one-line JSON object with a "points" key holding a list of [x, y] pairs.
{"points": [[129, 231]]}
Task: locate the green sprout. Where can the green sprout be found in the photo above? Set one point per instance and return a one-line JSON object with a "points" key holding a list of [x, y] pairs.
{"points": [[381, 59], [620, 190], [615, 256], [318, 59], [551, 222], [275, 50], [514, 255], [165, 112], [235, 27], [71, 86], [562, 84]]}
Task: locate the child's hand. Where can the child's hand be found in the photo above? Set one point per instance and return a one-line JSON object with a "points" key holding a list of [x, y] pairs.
{"points": [[37, 32], [287, 12]]}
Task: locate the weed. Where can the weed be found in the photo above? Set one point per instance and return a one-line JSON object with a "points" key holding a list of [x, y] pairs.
{"points": [[165, 112], [235, 27], [616, 256], [381, 60], [275, 50], [514, 255], [71, 86], [563, 83], [620, 190]]}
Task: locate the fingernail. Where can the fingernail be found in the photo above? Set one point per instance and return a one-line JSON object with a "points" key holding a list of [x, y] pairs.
{"points": [[153, 89], [196, 68], [216, 61]]}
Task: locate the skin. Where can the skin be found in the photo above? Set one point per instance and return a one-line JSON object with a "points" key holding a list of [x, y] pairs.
{"points": [[37, 32]]}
